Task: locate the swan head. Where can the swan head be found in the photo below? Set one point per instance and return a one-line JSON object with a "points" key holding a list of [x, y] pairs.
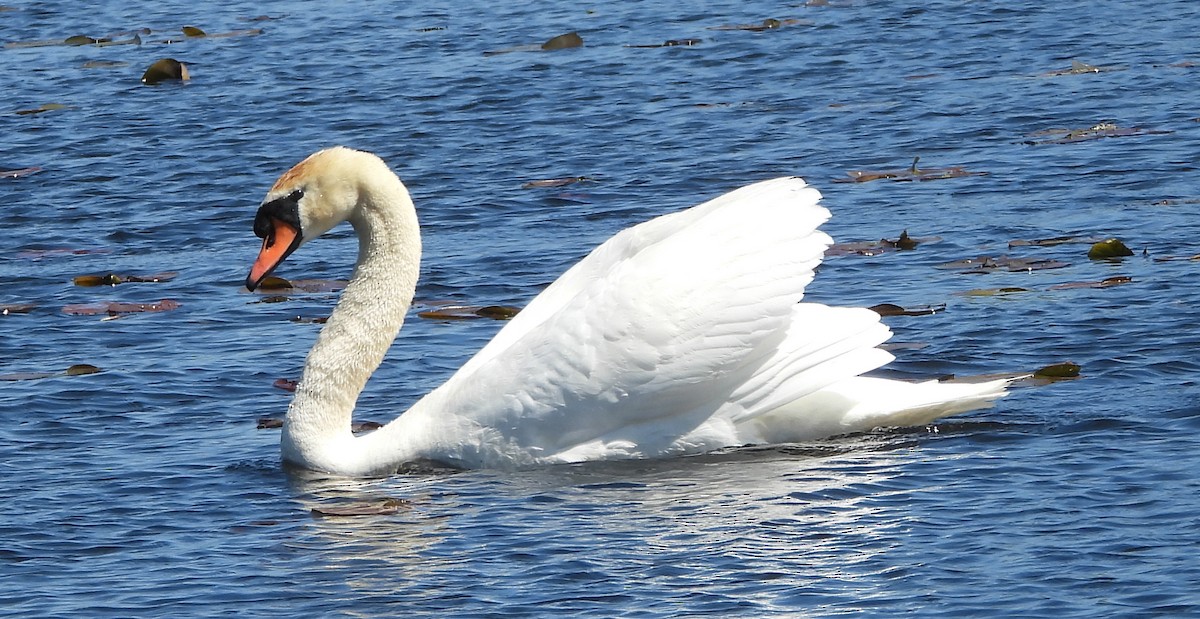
{"points": [[307, 201]]}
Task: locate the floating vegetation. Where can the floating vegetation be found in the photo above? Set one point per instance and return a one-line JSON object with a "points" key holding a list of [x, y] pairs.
{"points": [[889, 309], [913, 173], [557, 182], [1175, 258], [318, 320], [1095, 132], [766, 24], [1058, 371], [1107, 282], [79, 40], [562, 41], [16, 308], [989, 264], [470, 312], [285, 384], [1109, 249], [193, 33], [113, 308], [1053, 241], [993, 292], [669, 43], [112, 279], [45, 107], [384, 508], [874, 248], [20, 172], [274, 284], [1079, 68], [163, 70], [79, 369], [269, 423]]}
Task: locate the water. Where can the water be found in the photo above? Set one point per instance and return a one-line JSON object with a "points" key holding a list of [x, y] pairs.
{"points": [[145, 490]]}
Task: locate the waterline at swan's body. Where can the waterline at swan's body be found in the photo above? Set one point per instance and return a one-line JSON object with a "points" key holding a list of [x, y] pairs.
{"points": [[680, 335]]}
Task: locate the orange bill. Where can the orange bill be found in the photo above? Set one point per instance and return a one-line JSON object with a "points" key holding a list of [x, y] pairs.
{"points": [[277, 245]]}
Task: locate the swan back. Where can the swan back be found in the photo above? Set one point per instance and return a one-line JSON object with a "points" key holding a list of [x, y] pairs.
{"points": [[662, 340]]}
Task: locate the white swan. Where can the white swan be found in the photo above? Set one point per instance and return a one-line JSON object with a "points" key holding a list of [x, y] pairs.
{"points": [[679, 335]]}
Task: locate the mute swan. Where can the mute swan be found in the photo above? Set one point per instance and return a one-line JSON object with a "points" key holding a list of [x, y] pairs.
{"points": [[679, 335]]}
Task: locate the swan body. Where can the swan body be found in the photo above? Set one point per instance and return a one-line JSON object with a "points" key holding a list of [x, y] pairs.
{"points": [[680, 335]]}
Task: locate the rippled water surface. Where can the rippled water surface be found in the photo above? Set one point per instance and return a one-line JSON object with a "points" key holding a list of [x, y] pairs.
{"points": [[146, 490]]}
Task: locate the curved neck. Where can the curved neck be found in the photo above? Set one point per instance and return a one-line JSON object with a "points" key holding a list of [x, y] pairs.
{"points": [[360, 330]]}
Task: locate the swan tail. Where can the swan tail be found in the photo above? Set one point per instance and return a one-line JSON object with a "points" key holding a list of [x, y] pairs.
{"points": [[862, 403]]}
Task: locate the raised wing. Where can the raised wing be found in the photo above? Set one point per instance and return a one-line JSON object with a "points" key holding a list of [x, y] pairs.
{"points": [[667, 329]]}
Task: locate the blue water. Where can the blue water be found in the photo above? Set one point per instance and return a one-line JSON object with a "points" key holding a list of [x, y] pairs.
{"points": [[146, 489]]}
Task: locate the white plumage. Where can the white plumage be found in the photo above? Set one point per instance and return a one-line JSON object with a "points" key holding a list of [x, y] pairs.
{"points": [[679, 335]]}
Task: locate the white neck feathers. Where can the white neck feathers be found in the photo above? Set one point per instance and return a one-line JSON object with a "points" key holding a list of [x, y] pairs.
{"points": [[360, 330]]}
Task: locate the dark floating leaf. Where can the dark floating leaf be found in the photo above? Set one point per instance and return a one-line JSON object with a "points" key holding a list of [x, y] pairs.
{"points": [[359, 427], [1095, 132], [988, 264], [113, 308], [192, 31], [766, 24], [556, 182], [889, 309], [1078, 68], [274, 284], [993, 292], [16, 308], [498, 312], [563, 41], [1051, 242], [80, 369], [15, 376], [269, 423], [905, 242], [470, 312], [164, 70], [75, 370], [285, 384], [20, 172], [1107, 282], [875, 248], [1109, 248], [80, 39], [913, 173], [318, 320], [669, 43], [112, 279], [1063, 370], [45, 107], [1174, 258], [385, 508]]}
